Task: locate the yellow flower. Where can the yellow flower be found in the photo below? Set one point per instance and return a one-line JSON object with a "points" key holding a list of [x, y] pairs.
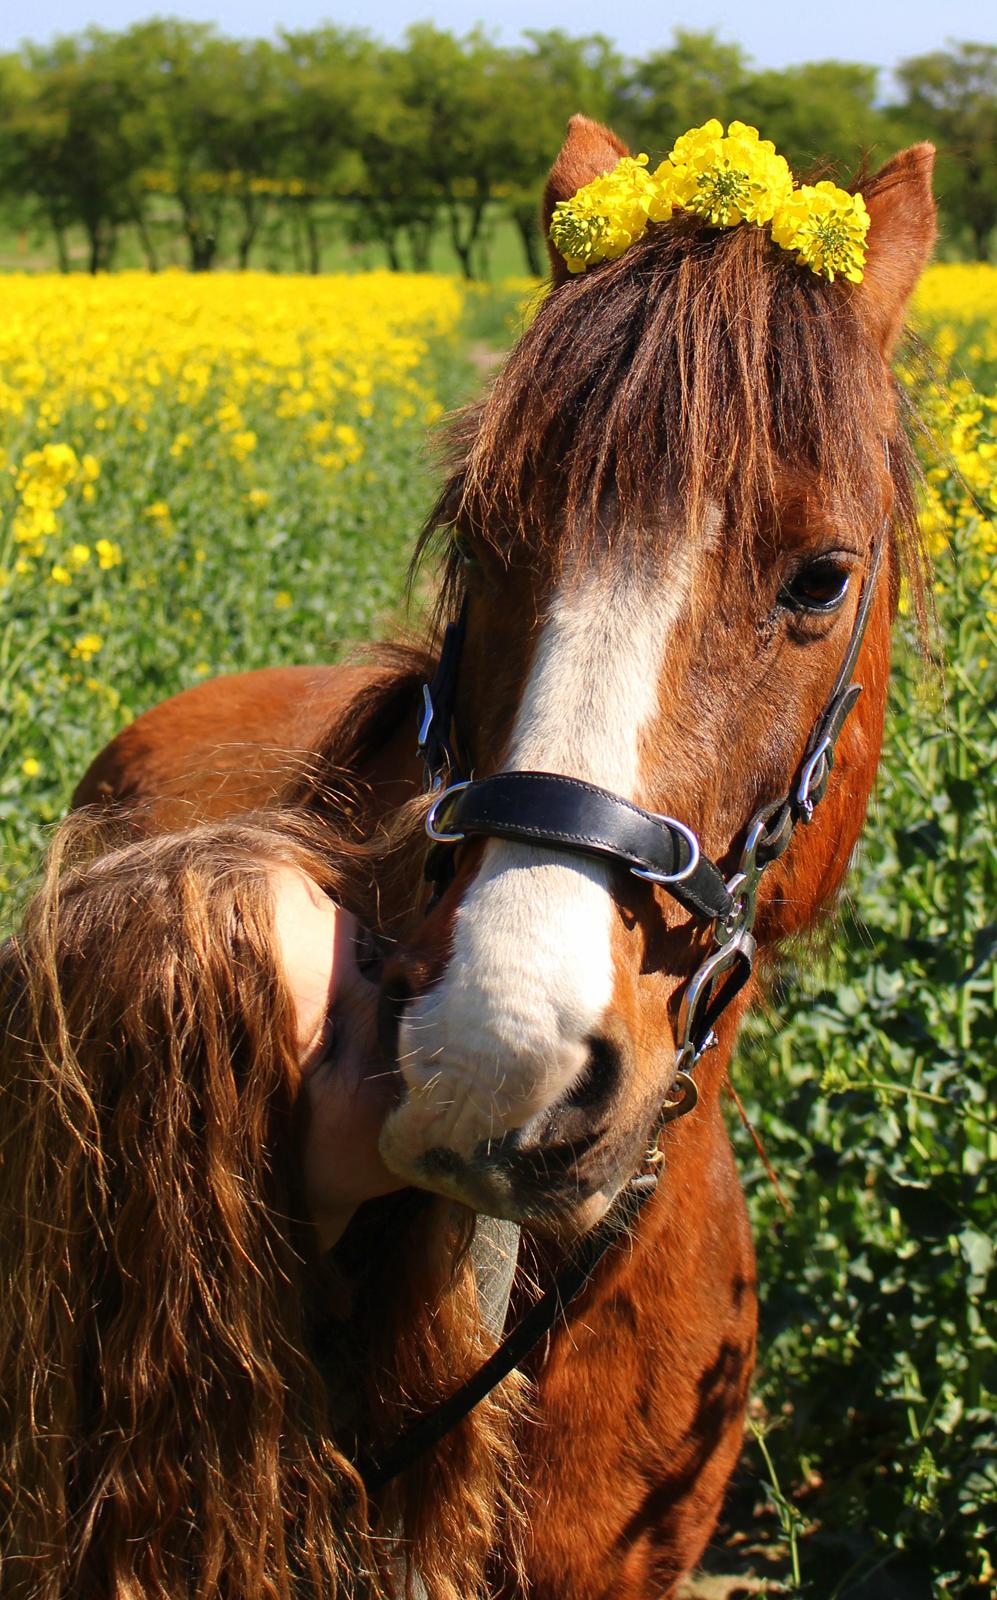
{"points": [[243, 444], [87, 646], [257, 498], [159, 511], [108, 554], [282, 600], [605, 217], [59, 574], [31, 767], [78, 556], [727, 180], [827, 228]]}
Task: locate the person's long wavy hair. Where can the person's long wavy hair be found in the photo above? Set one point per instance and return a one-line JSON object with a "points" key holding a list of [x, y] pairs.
{"points": [[168, 1420]]}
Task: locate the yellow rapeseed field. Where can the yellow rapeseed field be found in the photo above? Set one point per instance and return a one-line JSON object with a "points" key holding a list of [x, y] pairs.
{"points": [[197, 475], [200, 474]]}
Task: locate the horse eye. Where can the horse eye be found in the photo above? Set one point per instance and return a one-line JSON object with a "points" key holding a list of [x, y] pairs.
{"points": [[819, 586], [465, 550]]}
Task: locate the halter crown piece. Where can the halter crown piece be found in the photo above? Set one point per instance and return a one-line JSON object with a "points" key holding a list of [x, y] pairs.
{"points": [[726, 179]]}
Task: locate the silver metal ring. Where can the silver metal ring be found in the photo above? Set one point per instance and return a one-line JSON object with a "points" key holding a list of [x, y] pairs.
{"points": [[431, 815], [694, 855]]}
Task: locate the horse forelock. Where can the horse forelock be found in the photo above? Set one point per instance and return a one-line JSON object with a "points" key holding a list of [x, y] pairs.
{"points": [[701, 370]]}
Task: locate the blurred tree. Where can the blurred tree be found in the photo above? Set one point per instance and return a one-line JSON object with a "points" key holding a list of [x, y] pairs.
{"points": [[186, 74], [253, 109], [819, 113], [326, 71], [551, 79], [400, 196], [456, 85], [697, 77], [951, 97], [76, 138]]}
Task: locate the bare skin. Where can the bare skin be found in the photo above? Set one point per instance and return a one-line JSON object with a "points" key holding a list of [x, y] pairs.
{"points": [[349, 1087]]}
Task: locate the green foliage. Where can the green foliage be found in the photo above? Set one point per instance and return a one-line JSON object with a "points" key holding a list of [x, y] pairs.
{"points": [[951, 97], [168, 128], [874, 1094]]}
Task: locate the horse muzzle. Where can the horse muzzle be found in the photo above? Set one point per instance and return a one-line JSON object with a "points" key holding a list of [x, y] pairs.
{"points": [[557, 1165]]}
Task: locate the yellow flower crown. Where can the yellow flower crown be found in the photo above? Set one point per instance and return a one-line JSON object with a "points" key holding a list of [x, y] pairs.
{"points": [[726, 180]]}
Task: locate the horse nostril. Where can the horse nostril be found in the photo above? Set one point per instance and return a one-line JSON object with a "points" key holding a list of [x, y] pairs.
{"points": [[599, 1081], [396, 993]]}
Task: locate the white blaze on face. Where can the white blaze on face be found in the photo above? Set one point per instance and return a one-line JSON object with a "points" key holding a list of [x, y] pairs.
{"points": [[505, 1033]]}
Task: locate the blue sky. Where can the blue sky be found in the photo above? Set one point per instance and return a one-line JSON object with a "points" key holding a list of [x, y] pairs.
{"points": [[774, 34]]}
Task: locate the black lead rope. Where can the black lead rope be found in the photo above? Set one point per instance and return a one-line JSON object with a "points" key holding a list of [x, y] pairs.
{"points": [[517, 1345]]}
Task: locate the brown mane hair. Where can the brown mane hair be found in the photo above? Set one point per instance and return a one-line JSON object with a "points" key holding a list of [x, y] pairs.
{"points": [[168, 1338], [698, 369]]}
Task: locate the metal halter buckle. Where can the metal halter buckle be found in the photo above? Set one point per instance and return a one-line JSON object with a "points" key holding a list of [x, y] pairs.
{"points": [[428, 713], [687, 871], [433, 812], [743, 886], [807, 776], [741, 947]]}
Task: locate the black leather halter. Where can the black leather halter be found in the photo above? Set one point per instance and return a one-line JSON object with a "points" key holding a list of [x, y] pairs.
{"points": [[568, 815], [543, 808]]}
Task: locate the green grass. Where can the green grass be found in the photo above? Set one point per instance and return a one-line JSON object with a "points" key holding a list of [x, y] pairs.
{"points": [[28, 245]]}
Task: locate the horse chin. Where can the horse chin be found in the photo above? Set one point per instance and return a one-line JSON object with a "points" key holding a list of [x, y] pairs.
{"points": [[560, 1189]]}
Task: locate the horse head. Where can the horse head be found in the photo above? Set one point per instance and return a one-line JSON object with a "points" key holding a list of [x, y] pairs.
{"points": [[663, 517]]}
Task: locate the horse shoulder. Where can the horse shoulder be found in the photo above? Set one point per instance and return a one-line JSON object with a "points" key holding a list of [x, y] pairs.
{"points": [[228, 744]]}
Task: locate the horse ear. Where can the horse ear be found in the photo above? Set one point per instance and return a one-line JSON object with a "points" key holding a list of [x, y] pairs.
{"points": [[901, 237], [588, 151]]}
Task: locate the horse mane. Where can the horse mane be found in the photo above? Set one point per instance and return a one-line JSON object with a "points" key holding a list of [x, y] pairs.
{"points": [[702, 369]]}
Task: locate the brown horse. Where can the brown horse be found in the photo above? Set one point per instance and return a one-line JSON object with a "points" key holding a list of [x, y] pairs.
{"points": [[662, 516]]}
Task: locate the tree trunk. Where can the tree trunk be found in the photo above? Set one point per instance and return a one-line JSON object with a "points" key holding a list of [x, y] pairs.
{"points": [[252, 219], [147, 241], [314, 239], [530, 240], [297, 250], [420, 240], [61, 248], [103, 238], [464, 239], [202, 250]]}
